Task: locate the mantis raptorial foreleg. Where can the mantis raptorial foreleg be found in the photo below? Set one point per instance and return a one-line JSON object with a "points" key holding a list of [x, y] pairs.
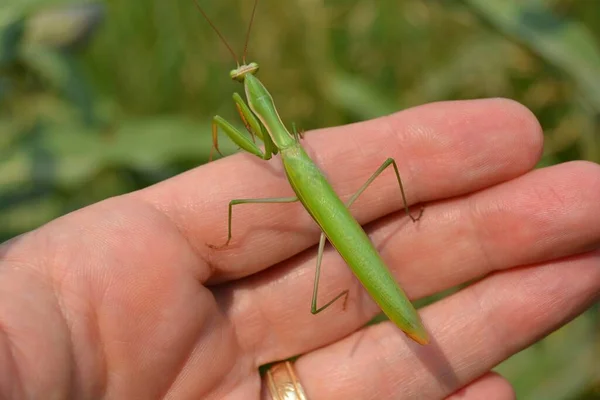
{"points": [[252, 125], [390, 161]]}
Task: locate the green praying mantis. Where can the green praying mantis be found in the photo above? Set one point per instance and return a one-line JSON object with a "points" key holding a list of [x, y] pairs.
{"points": [[337, 224]]}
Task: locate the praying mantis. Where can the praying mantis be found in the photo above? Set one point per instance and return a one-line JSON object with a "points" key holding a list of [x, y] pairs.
{"points": [[311, 188]]}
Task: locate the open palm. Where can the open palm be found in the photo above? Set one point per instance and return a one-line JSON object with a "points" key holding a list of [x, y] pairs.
{"points": [[125, 299]]}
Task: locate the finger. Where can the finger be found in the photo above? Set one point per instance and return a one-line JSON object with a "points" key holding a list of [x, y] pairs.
{"points": [[472, 331], [490, 386], [546, 214], [444, 149], [542, 215]]}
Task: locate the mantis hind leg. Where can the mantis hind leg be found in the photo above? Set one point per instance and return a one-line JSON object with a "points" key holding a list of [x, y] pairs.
{"points": [[313, 307], [248, 201], [390, 161]]}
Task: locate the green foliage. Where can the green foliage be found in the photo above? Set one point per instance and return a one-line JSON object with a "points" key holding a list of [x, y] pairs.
{"points": [[98, 99]]}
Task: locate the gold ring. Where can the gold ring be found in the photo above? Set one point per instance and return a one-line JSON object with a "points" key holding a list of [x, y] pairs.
{"points": [[283, 383]]}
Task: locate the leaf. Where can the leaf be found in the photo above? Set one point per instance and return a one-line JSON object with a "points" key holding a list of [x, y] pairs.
{"points": [[564, 43], [75, 154], [354, 95], [11, 34]]}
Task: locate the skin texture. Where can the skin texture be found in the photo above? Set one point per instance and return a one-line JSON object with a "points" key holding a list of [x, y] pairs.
{"points": [[125, 299]]}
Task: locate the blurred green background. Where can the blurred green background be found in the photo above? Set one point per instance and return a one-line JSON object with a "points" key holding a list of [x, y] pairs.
{"points": [[103, 98]]}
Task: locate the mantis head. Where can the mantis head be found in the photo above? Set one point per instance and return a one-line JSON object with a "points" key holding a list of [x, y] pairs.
{"points": [[240, 72]]}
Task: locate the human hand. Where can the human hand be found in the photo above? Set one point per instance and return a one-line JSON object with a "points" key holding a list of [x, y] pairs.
{"points": [[125, 299]]}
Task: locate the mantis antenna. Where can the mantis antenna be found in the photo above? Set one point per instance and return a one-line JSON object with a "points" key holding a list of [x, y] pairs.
{"points": [[235, 57], [248, 31]]}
